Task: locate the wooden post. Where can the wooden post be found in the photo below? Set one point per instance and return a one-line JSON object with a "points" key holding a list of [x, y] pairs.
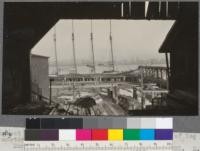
{"points": [[142, 87], [157, 74], [50, 94], [167, 70]]}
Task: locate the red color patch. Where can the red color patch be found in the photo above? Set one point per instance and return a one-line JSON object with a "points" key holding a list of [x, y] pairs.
{"points": [[99, 134]]}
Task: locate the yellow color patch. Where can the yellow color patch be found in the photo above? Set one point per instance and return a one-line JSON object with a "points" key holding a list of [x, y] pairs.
{"points": [[115, 134]]}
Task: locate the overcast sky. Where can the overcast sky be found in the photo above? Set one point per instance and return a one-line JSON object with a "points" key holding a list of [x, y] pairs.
{"points": [[131, 39]]}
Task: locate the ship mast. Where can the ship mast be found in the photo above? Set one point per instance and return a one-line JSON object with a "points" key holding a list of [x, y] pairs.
{"points": [[74, 59], [92, 48], [73, 45], [111, 48], [55, 50]]}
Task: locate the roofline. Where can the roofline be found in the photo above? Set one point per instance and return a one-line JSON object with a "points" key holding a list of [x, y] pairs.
{"points": [[166, 39], [36, 55]]}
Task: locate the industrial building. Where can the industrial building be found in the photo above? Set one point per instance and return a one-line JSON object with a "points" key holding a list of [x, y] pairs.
{"points": [[39, 77]]}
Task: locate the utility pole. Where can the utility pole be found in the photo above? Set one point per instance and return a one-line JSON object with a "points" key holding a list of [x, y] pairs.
{"points": [[55, 49], [111, 48]]}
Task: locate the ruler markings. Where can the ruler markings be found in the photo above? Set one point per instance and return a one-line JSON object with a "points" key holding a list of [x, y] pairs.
{"points": [[99, 146]]}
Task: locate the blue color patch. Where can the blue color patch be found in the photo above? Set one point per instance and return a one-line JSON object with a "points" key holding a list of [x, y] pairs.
{"points": [[147, 134], [164, 134]]}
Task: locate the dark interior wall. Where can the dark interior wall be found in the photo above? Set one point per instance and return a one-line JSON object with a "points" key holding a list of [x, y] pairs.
{"points": [[184, 53], [16, 80], [184, 72], [23, 27]]}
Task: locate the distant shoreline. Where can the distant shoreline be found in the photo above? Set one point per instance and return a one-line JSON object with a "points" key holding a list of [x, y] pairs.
{"points": [[83, 69]]}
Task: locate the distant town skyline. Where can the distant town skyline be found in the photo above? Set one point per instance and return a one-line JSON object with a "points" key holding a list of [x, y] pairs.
{"points": [[131, 39]]}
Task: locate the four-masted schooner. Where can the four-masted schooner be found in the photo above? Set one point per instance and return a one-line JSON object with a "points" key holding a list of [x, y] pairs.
{"points": [[92, 66]]}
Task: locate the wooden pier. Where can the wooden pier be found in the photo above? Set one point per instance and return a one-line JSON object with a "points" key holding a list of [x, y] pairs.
{"points": [[155, 74]]}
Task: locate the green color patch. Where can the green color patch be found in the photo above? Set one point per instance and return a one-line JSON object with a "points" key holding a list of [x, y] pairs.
{"points": [[131, 134]]}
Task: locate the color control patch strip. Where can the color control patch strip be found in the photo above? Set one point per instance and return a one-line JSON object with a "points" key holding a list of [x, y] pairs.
{"points": [[97, 134]]}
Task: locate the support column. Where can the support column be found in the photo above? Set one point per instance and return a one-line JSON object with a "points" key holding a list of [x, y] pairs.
{"points": [[161, 74], [148, 73], [157, 73], [124, 78], [151, 71]]}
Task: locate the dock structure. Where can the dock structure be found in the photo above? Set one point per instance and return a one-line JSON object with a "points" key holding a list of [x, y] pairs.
{"points": [[155, 74], [158, 72], [152, 74], [130, 77], [81, 78]]}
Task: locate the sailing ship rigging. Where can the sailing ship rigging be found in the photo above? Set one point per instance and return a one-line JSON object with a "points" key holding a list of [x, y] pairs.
{"points": [[92, 65]]}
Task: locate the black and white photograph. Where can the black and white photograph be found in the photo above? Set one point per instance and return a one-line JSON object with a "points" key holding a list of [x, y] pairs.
{"points": [[100, 58]]}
